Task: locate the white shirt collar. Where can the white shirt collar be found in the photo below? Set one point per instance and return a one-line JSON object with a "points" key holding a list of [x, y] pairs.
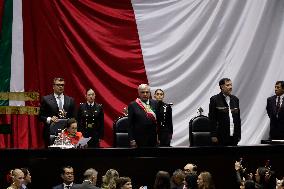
{"points": [[56, 95], [64, 185], [91, 104]]}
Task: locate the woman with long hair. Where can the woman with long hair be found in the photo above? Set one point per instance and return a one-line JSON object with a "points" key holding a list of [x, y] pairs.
{"points": [[163, 180], [109, 179], [17, 179], [205, 181]]}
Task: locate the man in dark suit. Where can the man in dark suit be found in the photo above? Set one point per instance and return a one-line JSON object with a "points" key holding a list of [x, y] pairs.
{"points": [[90, 180], [224, 115], [164, 115], [142, 131], [275, 111], [67, 175], [55, 106], [91, 119]]}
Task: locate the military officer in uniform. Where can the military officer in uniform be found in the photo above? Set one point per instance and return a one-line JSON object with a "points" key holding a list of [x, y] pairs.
{"points": [[164, 118], [91, 119]]}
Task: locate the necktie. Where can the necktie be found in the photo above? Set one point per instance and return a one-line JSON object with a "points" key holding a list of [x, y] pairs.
{"points": [[60, 106], [67, 186], [228, 100], [278, 104]]}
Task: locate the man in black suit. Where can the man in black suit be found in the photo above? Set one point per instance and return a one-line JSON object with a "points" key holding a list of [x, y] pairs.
{"points": [[142, 131], [90, 180], [165, 123], [275, 111], [67, 175], [91, 119], [55, 106], [224, 115]]}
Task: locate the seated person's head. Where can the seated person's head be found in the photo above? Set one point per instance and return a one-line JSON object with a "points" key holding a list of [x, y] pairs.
{"points": [[123, 183], [178, 177], [71, 126]]}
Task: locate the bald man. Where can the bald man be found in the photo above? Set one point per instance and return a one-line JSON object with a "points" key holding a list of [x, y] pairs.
{"points": [[190, 168]]}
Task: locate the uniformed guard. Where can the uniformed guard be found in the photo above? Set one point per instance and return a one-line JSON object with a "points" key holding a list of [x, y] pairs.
{"points": [[164, 117], [91, 119]]}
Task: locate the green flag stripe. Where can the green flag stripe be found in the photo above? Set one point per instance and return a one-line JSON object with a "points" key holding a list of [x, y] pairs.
{"points": [[6, 49]]}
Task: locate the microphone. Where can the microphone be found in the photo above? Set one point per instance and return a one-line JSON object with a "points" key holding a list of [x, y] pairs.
{"points": [[200, 110]]}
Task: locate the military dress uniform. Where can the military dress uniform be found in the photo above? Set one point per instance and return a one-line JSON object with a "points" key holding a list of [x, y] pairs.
{"points": [[165, 123], [91, 122]]}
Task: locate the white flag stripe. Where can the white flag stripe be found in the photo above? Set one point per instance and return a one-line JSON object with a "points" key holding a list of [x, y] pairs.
{"points": [[189, 45], [17, 59]]}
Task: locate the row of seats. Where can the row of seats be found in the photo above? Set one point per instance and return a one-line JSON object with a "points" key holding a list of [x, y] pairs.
{"points": [[199, 132]]}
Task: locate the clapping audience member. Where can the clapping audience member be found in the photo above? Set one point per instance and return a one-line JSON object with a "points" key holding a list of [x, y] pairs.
{"points": [[248, 184], [240, 173], [109, 179], [162, 180], [205, 181], [67, 175], [27, 178], [123, 183], [265, 178], [177, 179]]}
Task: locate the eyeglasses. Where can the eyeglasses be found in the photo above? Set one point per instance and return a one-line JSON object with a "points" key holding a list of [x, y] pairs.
{"points": [[59, 85]]}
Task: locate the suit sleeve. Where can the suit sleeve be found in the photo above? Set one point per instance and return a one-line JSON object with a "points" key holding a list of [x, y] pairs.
{"points": [[79, 118], [213, 116], [131, 120], [268, 108], [240, 121], [72, 108], [101, 122], [170, 119], [43, 110]]}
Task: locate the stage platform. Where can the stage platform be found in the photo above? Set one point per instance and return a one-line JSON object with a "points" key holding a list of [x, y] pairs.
{"points": [[139, 164]]}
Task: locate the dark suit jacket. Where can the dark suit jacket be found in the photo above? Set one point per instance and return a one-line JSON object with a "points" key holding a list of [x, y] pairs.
{"points": [[85, 185], [276, 121], [220, 120], [60, 186], [49, 108], [91, 122], [142, 129], [165, 123]]}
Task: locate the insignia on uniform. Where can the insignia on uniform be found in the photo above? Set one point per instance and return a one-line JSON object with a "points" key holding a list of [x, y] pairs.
{"points": [[89, 125]]}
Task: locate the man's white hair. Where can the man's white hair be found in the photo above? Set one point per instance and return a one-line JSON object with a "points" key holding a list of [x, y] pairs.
{"points": [[143, 86], [89, 173]]}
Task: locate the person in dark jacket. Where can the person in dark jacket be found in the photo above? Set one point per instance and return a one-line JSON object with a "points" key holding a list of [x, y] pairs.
{"points": [[224, 115], [165, 123], [91, 119], [275, 111], [142, 131]]}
